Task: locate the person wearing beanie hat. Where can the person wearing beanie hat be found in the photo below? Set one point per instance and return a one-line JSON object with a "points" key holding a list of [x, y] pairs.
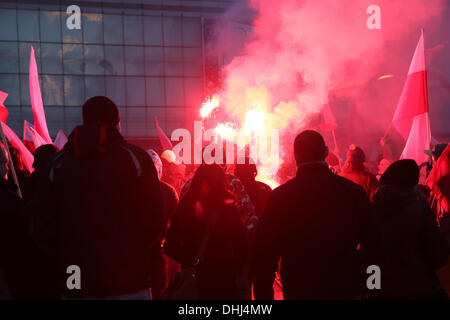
{"points": [[102, 110], [106, 210], [354, 170], [415, 248], [402, 173]]}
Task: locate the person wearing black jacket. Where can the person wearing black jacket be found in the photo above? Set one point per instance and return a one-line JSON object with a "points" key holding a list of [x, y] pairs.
{"points": [[17, 280], [106, 212], [315, 223], [209, 206], [415, 248]]}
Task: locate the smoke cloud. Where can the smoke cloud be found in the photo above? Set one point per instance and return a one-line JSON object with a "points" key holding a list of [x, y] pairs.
{"points": [[303, 55]]}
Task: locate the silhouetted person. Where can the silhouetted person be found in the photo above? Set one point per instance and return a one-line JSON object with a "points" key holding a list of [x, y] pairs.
{"points": [[315, 223], [105, 214], [16, 270], [43, 156], [355, 171], [164, 268], [23, 175], [415, 248], [206, 205], [245, 170]]}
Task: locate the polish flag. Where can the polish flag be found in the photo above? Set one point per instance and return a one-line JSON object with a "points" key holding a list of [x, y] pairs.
{"points": [[17, 143], [31, 139], [3, 110], [166, 144], [328, 121], [60, 140], [411, 116], [36, 100]]}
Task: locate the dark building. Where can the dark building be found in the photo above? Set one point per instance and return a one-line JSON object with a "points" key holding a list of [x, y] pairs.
{"points": [[147, 55]]}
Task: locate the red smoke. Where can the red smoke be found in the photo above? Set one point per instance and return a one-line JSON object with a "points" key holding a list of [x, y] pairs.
{"points": [[303, 55]]}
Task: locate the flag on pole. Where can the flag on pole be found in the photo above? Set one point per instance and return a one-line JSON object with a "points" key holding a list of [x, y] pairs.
{"points": [[411, 116], [3, 110], [166, 144], [31, 139], [17, 143], [329, 121], [36, 100], [60, 140]]}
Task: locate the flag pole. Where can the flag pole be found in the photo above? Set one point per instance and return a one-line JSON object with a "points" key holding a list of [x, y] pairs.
{"points": [[11, 166], [336, 148]]}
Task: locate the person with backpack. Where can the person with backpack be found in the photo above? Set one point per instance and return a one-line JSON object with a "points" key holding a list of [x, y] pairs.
{"points": [[100, 210], [206, 233]]}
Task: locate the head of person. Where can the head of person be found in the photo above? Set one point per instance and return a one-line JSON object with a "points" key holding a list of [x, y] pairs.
{"points": [[309, 146], [208, 183], [17, 158], [4, 162], [437, 151], [43, 155], [355, 154], [101, 109], [156, 161], [355, 158], [383, 165], [401, 173], [245, 169], [211, 154]]}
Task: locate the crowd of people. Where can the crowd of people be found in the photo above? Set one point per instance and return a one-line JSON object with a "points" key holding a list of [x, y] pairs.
{"points": [[131, 221]]}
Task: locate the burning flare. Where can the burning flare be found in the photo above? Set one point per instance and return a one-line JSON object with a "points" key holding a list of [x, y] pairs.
{"points": [[209, 105], [225, 131], [254, 120]]}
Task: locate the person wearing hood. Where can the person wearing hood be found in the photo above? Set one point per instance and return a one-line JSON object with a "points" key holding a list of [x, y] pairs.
{"points": [[415, 248], [355, 171], [103, 210]]}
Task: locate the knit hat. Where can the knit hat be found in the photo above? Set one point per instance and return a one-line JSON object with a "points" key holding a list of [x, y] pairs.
{"points": [[101, 109], [402, 173]]}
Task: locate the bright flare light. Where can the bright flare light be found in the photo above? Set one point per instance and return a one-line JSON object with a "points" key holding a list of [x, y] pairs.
{"points": [[224, 130], [254, 120], [208, 106]]}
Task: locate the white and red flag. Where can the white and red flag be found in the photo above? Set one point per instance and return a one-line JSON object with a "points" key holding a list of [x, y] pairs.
{"points": [[3, 110], [31, 139], [328, 120], [40, 123], [15, 141], [60, 140], [166, 144], [411, 116]]}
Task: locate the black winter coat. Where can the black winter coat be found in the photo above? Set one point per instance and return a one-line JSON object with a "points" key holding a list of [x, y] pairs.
{"points": [[225, 253], [315, 223], [105, 215], [415, 248]]}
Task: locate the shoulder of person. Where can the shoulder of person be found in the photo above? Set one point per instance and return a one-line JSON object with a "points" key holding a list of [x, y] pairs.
{"points": [[349, 186], [137, 151], [169, 189]]}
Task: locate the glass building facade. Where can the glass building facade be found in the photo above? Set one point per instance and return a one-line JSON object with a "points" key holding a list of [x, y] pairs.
{"points": [[148, 56]]}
